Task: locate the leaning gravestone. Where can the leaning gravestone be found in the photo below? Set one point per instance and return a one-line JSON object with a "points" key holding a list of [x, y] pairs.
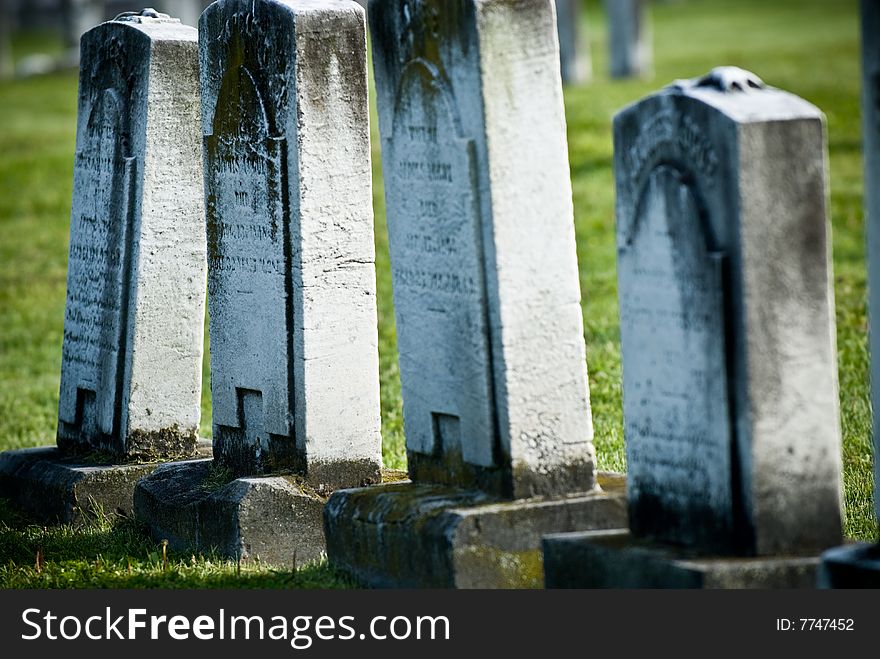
{"points": [[629, 38], [133, 329], [858, 565], [291, 279], [731, 417], [487, 300], [574, 50]]}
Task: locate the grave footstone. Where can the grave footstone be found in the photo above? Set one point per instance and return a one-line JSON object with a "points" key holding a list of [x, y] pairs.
{"points": [[133, 328], [487, 302], [574, 49], [730, 393], [858, 565], [291, 280], [629, 38]]}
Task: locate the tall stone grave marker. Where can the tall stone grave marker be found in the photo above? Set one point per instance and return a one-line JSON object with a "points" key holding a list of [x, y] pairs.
{"points": [[486, 292], [574, 49], [629, 38], [133, 329], [731, 415], [291, 277], [858, 565]]}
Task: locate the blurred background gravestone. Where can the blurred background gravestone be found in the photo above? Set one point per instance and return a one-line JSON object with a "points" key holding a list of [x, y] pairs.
{"points": [[574, 45], [629, 38]]}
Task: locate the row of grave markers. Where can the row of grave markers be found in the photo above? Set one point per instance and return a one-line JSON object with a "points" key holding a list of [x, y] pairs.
{"points": [[727, 326], [629, 33]]}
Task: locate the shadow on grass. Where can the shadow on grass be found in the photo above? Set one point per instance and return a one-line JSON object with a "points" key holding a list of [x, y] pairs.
{"points": [[116, 552]]}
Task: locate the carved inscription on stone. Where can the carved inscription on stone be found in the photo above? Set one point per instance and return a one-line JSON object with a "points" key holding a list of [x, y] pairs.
{"points": [[98, 279], [249, 285], [437, 269], [676, 407]]}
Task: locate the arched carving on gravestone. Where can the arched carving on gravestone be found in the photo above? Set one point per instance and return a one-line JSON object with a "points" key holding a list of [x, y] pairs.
{"points": [[438, 275], [675, 341], [249, 252], [99, 269]]}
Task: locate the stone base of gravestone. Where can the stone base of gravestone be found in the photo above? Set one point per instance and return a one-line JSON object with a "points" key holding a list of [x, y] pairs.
{"points": [[614, 559], [430, 536], [54, 488], [196, 506], [851, 566]]}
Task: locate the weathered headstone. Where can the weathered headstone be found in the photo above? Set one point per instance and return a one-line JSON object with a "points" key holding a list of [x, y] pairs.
{"points": [[484, 268], [291, 277], [131, 360], [858, 565], [574, 50], [731, 415], [629, 38], [133, 329]]}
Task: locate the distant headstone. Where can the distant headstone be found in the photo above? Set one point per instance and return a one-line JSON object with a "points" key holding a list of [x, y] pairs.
{"points": [[133, 330], [629, 38], [484, 268], [727, 323], [291, 277], [574, 50]]}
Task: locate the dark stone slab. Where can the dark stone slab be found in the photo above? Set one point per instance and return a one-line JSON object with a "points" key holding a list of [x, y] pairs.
{"points": [[55, 488], [430, 536], [851, 566], [274, 519], [614, 559]]}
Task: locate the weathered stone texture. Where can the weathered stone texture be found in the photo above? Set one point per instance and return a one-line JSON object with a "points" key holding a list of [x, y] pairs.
{"points": [[727, 328], [613, 559], [485, 275], [433, 536], [629, 38], [276, 520], [133, 330], [294, 347], [54, 488]]}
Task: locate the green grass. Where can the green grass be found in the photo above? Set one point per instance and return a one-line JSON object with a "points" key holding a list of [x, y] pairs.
{"points": [[809, 47]]}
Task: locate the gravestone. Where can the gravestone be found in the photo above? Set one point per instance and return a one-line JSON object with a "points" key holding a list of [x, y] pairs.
{"points": [[731, 415], [291, 276], [486, 289], [131, 359], [131, 370], [858, 565], [574, 49], [629, 38]]}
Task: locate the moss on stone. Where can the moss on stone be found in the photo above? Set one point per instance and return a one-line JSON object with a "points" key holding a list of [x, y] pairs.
{"points": [[501, 568]]}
